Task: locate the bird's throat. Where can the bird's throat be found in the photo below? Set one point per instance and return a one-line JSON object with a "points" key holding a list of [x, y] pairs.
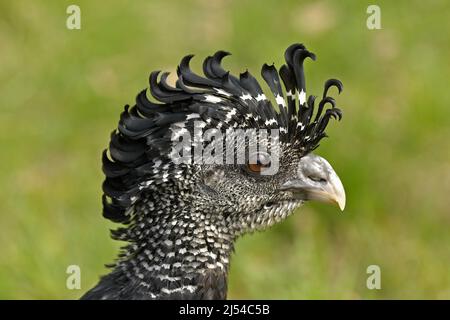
{"points": [[184, 254]]}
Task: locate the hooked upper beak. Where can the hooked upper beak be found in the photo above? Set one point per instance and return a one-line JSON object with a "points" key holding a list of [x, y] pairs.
{"points": [[316, 180]]}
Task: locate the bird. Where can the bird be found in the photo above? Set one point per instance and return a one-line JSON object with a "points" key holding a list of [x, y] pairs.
{"points": [[179, 214]]}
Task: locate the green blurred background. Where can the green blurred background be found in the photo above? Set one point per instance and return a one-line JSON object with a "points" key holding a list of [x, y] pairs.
{"points": [[62, 91]]}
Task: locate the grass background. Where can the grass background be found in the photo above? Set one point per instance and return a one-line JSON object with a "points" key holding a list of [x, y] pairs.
{"points": [[62, 92]]}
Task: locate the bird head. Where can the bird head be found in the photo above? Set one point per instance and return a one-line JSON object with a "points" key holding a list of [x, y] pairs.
{"points": [[217, 147]]}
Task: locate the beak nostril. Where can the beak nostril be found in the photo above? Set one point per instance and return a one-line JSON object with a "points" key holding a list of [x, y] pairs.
{"points": [[317, 179]]}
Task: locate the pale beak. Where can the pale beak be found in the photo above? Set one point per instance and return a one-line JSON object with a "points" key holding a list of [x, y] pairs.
{"points": [[316, 180]]}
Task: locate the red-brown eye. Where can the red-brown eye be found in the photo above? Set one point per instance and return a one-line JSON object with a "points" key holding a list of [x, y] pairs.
{"points": [[261, 163], [255, 167]]}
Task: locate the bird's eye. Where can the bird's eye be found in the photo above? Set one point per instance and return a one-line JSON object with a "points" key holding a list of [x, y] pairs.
{"points": [[262, 161], [255, 167]]}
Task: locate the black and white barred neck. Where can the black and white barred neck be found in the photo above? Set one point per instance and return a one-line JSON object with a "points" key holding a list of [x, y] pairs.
{"points": [[180, 220]]}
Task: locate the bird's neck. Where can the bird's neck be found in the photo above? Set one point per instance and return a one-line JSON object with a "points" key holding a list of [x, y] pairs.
{"points": [[181, 254]]}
